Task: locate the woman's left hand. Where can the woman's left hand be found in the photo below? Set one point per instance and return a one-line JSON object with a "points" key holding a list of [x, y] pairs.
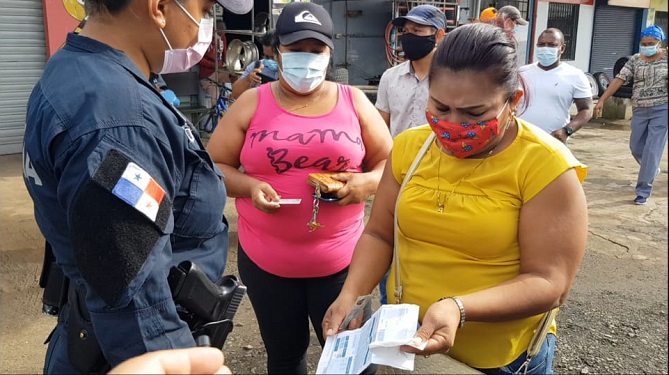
{"points": [[358, 186], [439, 327]]}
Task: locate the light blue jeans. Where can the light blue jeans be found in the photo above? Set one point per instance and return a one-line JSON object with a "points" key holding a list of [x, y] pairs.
{"points": [[542, 363], [647, 142]]}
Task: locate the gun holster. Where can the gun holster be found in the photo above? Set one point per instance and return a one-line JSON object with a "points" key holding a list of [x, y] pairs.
{"points": [[83, 348], [207, 307], [54, 282]]}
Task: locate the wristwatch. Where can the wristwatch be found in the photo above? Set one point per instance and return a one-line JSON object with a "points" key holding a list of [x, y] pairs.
{"points": [[569, 130]]}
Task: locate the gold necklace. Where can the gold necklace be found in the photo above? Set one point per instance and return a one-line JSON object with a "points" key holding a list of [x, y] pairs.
{"points": [[441, 205], [282, 99]]}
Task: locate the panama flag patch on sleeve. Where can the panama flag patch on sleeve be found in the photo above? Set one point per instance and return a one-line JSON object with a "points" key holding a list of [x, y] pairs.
{"points": [[135, 186]]}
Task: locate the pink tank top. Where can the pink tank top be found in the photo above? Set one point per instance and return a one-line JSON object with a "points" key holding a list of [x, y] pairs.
{"points": [[281, 149]]}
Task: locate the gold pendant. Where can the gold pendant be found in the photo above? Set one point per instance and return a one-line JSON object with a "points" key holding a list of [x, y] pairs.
{"points": [[440, 207], [314, 225]]}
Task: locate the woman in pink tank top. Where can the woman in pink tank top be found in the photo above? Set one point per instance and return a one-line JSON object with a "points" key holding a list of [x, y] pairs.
{"points": [[279, 133]]}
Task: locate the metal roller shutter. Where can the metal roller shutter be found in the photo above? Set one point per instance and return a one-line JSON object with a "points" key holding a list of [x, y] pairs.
{"points": [[614, 33], [661, 20], [22, 59]]}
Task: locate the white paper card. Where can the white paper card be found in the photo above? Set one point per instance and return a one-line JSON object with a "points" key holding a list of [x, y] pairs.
{"points": [[290, 201]]}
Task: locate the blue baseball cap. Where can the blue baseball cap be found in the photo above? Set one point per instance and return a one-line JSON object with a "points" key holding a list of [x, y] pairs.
{"points": [[428, 15]]}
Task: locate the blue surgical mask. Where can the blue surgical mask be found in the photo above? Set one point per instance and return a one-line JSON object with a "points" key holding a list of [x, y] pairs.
{"points": [[515, 29], [547, 56], [271, 65], [304, 71], [648, 50]]}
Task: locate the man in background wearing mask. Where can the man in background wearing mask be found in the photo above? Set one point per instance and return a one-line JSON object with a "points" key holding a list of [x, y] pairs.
{"points": [[122, 186], [553, 87], [402, 93], [252, 75], [509, 18], [403, 90]]}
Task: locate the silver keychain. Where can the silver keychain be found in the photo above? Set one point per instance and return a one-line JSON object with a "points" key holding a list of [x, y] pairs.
{"points": [[314, 224]]}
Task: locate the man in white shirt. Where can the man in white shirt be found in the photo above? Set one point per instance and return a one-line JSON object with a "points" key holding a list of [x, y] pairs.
{"points": [[402, 94], [553, 87]]}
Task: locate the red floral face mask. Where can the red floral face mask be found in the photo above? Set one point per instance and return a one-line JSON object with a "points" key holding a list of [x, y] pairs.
{"points": [[467, 138]]}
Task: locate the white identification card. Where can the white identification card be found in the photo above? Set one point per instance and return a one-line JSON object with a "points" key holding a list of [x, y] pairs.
{"points": [[290, 201]]}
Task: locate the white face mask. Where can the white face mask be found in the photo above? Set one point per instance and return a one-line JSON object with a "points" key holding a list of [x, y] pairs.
{"points": [[304, 71], [180, 60]]}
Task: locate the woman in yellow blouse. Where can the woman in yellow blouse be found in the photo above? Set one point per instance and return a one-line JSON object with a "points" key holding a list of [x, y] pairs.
{"points": [[492, 221]]}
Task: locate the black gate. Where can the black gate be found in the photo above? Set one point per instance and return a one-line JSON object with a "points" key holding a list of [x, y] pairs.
{"points": [[564, 17]]}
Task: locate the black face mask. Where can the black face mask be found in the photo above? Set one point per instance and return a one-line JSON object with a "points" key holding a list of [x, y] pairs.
{"points": [[416, 47]]}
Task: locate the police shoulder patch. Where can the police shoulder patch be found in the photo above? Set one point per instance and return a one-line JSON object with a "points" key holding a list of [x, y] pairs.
{"points": [[135, 186], [118, 217]]}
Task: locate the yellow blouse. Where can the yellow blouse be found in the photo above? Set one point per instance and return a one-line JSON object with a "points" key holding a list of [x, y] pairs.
{"points": [[473, 244]]}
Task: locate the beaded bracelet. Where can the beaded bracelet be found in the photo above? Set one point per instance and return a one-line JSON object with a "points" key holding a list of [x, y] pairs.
{"points": [[461, 307]]}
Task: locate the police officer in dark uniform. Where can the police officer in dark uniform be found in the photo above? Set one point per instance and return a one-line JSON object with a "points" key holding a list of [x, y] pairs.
{"points": [[122, 187]]}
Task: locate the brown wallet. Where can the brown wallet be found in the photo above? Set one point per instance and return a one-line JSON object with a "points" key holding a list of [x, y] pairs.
{"points": [[326, 182]]}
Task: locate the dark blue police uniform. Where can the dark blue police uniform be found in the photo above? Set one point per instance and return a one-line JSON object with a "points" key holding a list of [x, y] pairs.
{"points": [[123, 190]]}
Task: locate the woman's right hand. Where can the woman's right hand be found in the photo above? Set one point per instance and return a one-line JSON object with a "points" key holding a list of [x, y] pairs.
{"points": [[265, 197], [599, 107], [336, 314]]}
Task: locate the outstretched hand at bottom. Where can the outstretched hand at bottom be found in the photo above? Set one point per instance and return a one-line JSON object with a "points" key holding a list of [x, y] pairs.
{"points": [[177, 361]]}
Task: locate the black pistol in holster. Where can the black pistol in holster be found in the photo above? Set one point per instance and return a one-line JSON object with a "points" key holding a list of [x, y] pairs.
{"points": [[207, 307]]}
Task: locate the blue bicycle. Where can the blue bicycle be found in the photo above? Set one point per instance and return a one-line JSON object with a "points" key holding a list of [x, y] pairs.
{"points": [[216, 112]]}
